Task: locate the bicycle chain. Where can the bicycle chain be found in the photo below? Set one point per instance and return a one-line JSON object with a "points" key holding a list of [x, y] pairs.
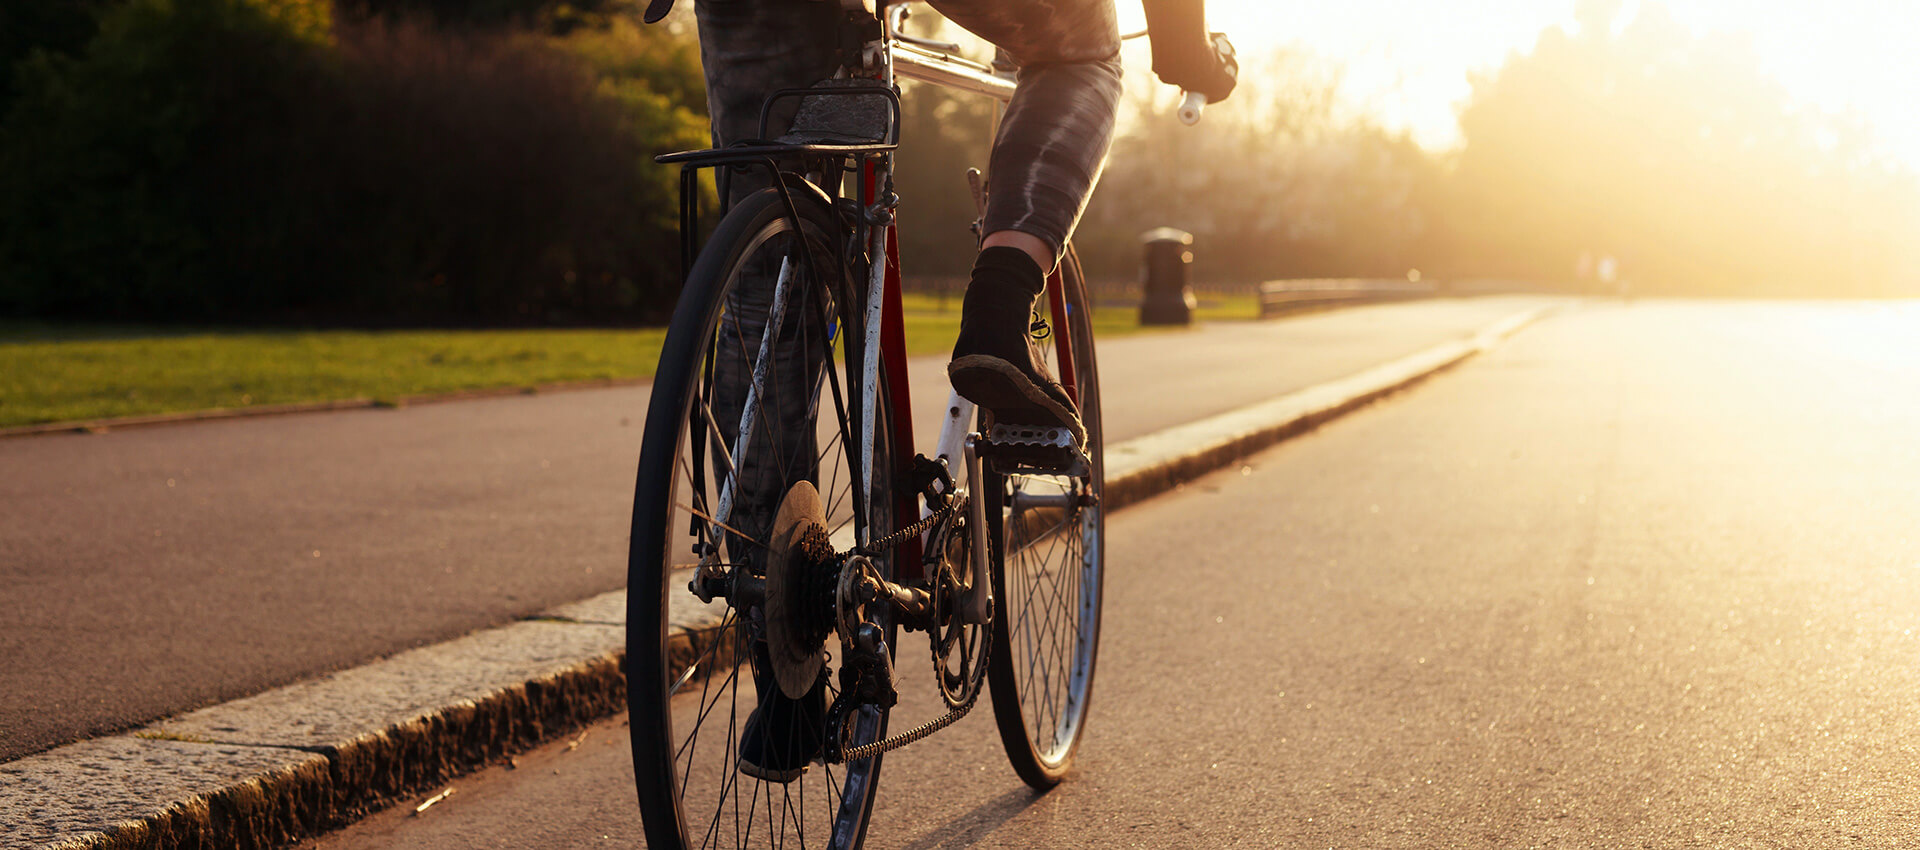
{"points": [[1017, 435], [869, 750], [1051, 437], [837, 713], [903, 535]]}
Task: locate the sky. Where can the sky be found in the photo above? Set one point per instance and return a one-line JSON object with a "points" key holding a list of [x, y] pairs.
{"points": [[1408, 61]]}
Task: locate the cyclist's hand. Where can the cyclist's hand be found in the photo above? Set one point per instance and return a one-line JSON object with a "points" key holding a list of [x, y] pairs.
{"points": [[1209, 69]]}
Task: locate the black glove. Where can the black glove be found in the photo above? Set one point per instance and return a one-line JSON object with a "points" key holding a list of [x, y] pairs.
{"points": [[1226, 71], [1184, 55]]}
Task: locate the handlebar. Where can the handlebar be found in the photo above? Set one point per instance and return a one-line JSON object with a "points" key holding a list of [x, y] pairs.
{"points": [[1190, 108]]}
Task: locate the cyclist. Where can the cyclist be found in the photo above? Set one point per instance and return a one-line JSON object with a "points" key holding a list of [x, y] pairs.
{"points": [[1048, 154]]}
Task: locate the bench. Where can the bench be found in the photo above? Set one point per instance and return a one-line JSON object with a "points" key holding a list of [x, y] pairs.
{"points": [[1281, 297]]}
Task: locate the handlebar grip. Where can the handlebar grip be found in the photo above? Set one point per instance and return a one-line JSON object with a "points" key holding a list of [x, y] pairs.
{"points": [[1191, 106]]}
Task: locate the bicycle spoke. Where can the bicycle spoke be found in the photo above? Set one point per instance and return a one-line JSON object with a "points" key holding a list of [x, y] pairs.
{"points": [[706, 708], [717, 437], [703, 515], [1048, 644], [726, 623], [690, 747], [836, 498]]}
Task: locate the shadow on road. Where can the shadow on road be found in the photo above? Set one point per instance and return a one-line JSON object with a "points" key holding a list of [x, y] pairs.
{"points": [[964, 830]]}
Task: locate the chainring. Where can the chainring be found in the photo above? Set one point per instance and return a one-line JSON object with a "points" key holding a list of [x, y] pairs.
{"points": [[955, 644]]}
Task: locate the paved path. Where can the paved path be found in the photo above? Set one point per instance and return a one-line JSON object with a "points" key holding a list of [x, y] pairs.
{"points": [[1640, 577], [149, 571]]}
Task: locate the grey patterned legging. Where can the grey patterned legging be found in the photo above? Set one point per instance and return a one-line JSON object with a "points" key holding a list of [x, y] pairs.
{"points": [[1052, 142]]}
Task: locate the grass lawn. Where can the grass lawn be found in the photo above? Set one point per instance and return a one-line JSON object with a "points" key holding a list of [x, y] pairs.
{"points": [[63, 373]]}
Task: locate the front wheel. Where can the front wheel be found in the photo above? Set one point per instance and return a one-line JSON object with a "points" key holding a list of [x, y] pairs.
{"points": [[1048, 536]]}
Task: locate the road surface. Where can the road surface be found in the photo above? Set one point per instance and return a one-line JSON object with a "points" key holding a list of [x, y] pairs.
{"points": [[1644, 576]]}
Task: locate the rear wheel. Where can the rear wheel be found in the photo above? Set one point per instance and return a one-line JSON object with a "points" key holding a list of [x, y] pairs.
{"points": [[738, 416], [1048, 534]]}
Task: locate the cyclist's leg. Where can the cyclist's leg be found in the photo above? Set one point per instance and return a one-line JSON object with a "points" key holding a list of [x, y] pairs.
{"points": [[750, 48], [1046, 159], [1053, 139]]}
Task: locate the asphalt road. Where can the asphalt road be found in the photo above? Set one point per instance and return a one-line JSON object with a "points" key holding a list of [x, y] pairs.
{"points": [[1642, 577], [150, 571]]}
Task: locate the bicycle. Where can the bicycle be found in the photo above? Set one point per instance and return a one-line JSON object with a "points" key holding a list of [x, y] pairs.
{"points": [[770, 524]]}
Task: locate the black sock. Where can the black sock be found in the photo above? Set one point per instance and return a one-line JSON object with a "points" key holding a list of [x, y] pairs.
{"points": [[1007, 272]]}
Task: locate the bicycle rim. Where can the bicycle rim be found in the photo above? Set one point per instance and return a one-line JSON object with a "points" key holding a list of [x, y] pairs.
{"points": [[1049, 555], [691, 676]]}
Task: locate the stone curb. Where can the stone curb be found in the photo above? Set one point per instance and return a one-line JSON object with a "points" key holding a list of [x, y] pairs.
{"points": [[265, 770]]}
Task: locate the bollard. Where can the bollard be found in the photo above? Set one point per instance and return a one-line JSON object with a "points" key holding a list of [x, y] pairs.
{"points": [[1165, 298]]}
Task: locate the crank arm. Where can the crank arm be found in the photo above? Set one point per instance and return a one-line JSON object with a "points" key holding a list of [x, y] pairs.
{"points": [[977, 606]]}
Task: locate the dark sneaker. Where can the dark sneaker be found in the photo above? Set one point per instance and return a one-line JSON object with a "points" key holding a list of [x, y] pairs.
{"points": [[782, 735], [994, 364], [1015, 395]]}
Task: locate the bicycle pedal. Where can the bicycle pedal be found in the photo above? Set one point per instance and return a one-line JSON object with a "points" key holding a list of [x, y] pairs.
{"points": [[1040, 436], [1041, 449]]}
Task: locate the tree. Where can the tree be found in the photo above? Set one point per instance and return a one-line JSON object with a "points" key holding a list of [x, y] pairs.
{"points": [[61, 28], [248, 160], [1276, 184], [1674, 153], [945, 132]]}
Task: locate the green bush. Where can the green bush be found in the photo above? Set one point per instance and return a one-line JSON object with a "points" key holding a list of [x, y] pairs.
{"points": [[527, 192], [58, 27], [104, 154], [218, 160], [561, 14]]}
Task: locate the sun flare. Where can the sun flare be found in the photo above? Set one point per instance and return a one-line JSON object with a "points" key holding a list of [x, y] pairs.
{"points": [[1410, 64]]}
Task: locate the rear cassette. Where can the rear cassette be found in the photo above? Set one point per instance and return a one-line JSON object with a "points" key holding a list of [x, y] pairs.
{"points": [[802, 570]]}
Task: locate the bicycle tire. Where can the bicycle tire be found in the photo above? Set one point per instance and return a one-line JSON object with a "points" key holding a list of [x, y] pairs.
{"points": [[1041, 670], [690, 690]]}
